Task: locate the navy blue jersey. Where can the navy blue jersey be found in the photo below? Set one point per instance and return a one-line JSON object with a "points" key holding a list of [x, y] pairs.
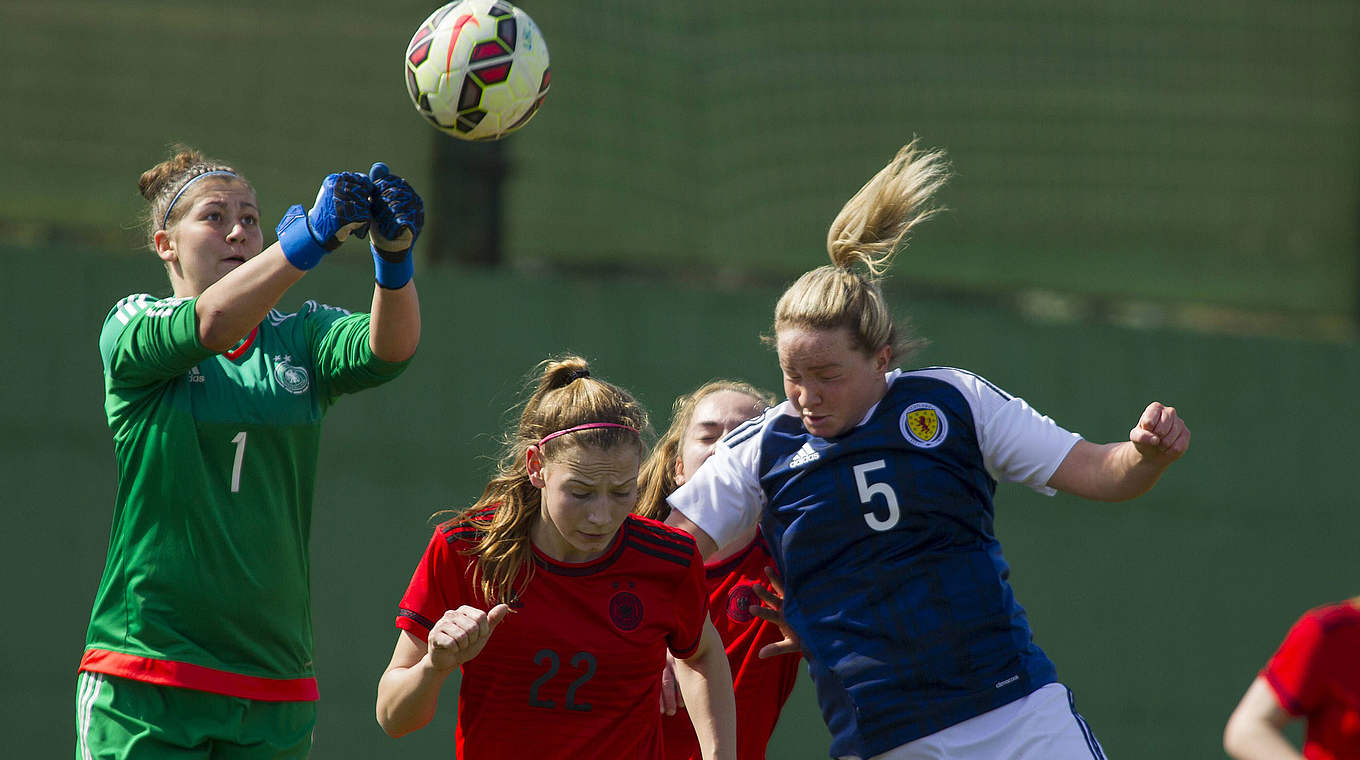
{"points": [[884, 537]]}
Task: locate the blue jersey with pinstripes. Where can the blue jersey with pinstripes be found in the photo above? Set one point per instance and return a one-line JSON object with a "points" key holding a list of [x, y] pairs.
{"points": [[931, 634]]}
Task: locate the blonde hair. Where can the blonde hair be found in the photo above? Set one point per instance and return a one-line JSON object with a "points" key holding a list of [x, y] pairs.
{"points": [[160, 184], [869, 230], [656, 479], [565, 395]]}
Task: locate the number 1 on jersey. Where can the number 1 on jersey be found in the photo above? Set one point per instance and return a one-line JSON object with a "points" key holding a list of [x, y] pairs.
{"points": [[867, 491], [240, 441]]}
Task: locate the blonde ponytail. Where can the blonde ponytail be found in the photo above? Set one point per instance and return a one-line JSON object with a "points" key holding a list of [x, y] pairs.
{"points": [[869, 230], [873, 224]]}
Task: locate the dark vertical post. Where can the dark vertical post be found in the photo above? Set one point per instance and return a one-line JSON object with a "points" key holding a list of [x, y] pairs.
{"points": [[465, 202]]}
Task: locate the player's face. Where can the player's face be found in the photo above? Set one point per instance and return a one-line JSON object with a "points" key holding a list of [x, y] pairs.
{"points": [[714, 417], [830, 383], [218, 232], [586, 494]]}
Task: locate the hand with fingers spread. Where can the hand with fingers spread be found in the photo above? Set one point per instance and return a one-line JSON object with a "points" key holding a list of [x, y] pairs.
{"points": [[342, 208], [460, 634], [771, 610], [1160, 434], [398, 216]]}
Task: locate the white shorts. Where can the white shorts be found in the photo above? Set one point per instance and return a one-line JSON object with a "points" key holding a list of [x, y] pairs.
{"points": [[1043, 725]]}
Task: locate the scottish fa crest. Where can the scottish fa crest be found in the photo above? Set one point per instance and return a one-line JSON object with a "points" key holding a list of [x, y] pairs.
{"points": [[924, 425], [292, 377]]}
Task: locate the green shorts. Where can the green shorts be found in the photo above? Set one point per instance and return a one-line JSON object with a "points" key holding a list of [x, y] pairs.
{"points": [[130, 720]]}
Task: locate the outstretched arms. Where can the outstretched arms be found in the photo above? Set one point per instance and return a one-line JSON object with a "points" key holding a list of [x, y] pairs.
{"points": [[1122, 471]]}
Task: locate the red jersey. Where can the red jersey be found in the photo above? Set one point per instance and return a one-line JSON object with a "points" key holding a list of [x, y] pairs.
{"points": [[1316, 675], [761, 686], [575, 669]]}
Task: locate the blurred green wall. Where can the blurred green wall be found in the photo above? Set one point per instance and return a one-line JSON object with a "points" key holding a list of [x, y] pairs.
{"points": [[1157, 612], [1148, 149]]}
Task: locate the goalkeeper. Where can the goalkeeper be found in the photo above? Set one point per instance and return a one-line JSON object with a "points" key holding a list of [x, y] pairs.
{"points": [[200, 640]]}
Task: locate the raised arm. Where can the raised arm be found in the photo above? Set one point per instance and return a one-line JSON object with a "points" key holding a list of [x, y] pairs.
{"points": [[1122, 471], [228, 309], [706, 682], [394, 326], [398, 217]]}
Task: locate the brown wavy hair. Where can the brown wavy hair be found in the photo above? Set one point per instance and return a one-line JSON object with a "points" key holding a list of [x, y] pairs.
{"points": [[656, 479], [564, 395], [159, 184]]}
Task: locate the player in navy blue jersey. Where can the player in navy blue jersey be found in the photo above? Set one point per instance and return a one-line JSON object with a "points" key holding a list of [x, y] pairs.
{"points": [[874, 488]]}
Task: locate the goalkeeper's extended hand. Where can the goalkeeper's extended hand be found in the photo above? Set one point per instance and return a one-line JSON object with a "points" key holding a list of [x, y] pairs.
{"points": [[343, 207], [398, 216]]}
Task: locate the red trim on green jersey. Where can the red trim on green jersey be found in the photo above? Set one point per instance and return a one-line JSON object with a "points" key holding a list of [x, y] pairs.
{"points": [[242, 347], [199, 678]]}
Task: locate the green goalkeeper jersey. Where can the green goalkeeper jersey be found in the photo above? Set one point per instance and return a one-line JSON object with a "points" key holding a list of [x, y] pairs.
{"points": [[206, 585]]}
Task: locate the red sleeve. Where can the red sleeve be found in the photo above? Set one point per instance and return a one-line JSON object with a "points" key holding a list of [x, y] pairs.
{"points": [[1294, 673], [433, 589], [691, 607]]}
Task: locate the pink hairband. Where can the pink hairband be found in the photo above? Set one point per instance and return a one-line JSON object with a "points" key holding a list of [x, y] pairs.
{"points": [[587, 426]]}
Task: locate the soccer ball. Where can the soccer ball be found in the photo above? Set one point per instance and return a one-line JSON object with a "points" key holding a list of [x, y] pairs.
{"points": [[477, 69]]}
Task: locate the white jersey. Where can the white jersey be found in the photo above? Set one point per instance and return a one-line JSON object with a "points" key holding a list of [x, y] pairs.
{"points": [[1018, 445]]}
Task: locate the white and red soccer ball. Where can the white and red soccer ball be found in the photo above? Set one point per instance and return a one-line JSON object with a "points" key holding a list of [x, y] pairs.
{"points": [[477, 69]]}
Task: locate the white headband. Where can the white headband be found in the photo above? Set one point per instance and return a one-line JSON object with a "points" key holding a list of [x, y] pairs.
{"points": [[173, 201]]}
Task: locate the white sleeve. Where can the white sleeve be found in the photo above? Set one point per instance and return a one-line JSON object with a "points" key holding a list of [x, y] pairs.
{"points": [[724, 497], [1018, 444]]}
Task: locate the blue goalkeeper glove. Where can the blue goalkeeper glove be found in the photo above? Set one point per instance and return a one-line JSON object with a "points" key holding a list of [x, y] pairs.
{"points": [[342, 208], [398, 215]]}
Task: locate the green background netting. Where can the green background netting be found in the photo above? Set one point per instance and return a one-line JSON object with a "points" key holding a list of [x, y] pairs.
{"points": [[1157, 612], [1152, 149], [1147, 152]]}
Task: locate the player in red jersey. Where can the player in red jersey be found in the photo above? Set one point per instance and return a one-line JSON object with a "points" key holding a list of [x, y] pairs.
{"points": [[761, 679], [556, 602], [1314, 675]]}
